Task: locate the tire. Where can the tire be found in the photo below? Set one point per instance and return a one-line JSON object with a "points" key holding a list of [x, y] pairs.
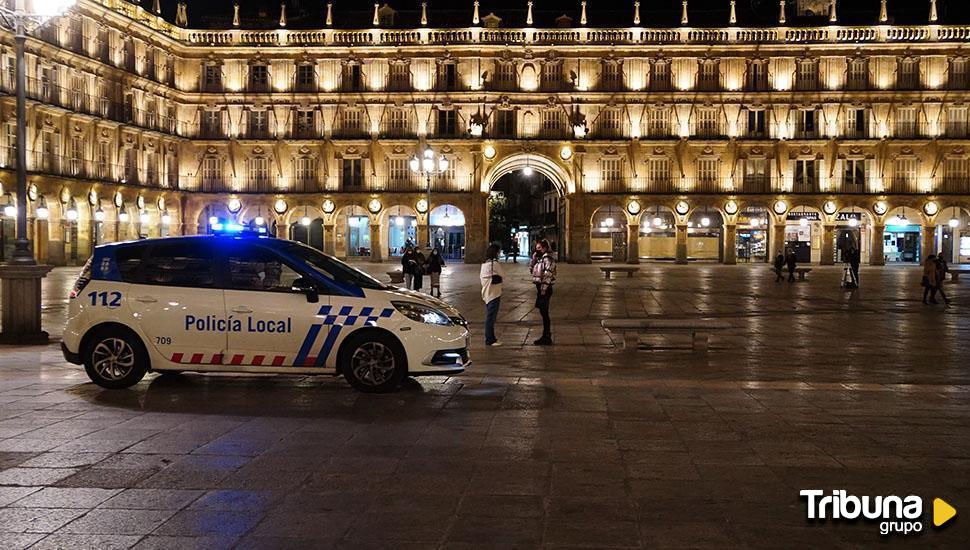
{"points": [[373, 362], [115, 358]]}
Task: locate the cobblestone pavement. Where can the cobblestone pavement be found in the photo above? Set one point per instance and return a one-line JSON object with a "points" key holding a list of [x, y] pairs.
{"points": [[577, 445]]}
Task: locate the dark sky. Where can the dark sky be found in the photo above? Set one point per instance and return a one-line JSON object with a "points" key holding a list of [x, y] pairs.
{"points": [[658, 13]]}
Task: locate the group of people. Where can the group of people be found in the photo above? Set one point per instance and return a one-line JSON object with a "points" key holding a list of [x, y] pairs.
{"points": [[542, 267], [935, 269], [782, 260], [415, 265]]}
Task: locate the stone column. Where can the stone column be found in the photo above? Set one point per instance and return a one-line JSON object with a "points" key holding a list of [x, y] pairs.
{"points": [[282, 230], [20, 290], [681, 244], [729, 240], [876, 254], [55, 241], [777, 241], [633, 244], [476, 228], [928, 241], [375, 243], [578, 233], [828, 245], [422, 233], [330, 239]]}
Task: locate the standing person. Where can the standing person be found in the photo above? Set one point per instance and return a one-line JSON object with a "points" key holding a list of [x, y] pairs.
{"points": [[491, 275], [407, 266], [929, 279], [543, 268], [855, 258], [420, 267], [791, 261], [941, 270], [779, 266], [435, 263]]}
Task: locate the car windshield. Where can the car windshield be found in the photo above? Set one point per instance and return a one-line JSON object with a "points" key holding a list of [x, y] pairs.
{"points": [[334, 268]]}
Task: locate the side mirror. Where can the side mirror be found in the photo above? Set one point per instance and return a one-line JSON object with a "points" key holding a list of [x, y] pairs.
{"points": [[307, 286]]}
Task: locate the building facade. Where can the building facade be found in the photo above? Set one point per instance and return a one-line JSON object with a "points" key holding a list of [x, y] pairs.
{"points": [[720, 144]]}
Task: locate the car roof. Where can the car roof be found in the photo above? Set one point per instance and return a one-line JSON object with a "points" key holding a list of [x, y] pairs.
{"points": [[265, 241]]}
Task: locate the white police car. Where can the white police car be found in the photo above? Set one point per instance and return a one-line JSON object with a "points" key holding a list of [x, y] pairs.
{"points": [[247, 304]]}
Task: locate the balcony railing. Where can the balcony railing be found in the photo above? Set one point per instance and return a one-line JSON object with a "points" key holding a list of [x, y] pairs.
{"points": [[755, 184], [47, 163]]}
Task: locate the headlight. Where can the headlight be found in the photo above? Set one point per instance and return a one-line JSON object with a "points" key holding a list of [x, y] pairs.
{"points": [[421, 313]]}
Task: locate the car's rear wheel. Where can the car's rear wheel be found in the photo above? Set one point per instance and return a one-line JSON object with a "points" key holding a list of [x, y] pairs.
{"points": [[373, 362], [115, 358]]}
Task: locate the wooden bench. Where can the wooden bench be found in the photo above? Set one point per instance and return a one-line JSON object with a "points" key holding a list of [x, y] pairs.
{"points": [[699, 329], [608, 270], [396, 276], [800, 271], [955, 274]]}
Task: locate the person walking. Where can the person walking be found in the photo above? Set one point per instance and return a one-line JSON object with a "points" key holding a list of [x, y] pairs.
{"points": [[420, 266], [779, 267], [491, 275], [407, 266], [515, 251], [941, 270], [791, 261], [855, 259], [543, 268], [435, 263], [929, 279]]}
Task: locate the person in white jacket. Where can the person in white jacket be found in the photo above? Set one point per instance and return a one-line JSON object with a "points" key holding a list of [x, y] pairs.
{"points": [[491, 274]]}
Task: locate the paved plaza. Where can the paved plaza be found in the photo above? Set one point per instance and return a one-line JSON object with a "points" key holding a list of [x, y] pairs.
{"points": [[575, 445]]}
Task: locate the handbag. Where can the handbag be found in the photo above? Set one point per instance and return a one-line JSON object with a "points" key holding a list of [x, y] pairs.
{"points": [[496, 279]]}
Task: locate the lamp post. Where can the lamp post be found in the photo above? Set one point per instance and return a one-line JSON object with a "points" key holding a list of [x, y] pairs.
{"points": [[21, 276], [427, 166]]}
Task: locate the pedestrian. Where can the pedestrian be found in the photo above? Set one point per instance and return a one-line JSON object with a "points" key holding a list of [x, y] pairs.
{"points": [[791, 261], [543, 268], [407, 266], [491, 274], [420, 266], [515, 251], [855, 258], [435, 263], [779, 266], [941, 270], [929, 279]]}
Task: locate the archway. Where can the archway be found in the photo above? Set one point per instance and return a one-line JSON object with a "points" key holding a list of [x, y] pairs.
{"points": [[803, 233], [306, 226], [448, 231], [658, 233], [213, 214], [400, 230], [525, 206], [704, 235], [853, 231], [953, 234], [753, 234], [902, 236], [608, 234], [353, 232]]}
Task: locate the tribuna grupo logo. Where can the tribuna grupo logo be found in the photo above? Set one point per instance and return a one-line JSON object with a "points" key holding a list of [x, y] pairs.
{"points": [[895, 514]]}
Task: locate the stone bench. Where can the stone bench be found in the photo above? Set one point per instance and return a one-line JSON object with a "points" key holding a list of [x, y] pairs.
{"points": [[800, 271], [608, 270], [955, 274], [396, 276], [699, 329]]}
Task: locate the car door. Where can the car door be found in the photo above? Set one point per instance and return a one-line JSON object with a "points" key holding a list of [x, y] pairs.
{"points": [[178, 302], [267, 300]]}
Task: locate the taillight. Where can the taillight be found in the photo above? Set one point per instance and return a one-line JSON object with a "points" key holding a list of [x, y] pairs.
{"points": [[82, 280]]}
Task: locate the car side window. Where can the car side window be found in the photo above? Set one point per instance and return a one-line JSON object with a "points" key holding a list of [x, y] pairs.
{"points": [[129, 259], [259, 269], [184, 263]]}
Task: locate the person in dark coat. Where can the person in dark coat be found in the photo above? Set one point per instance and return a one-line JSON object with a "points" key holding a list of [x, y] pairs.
{"points": [[407, 266], [941, 270], [779, 266], [791, 261], [435, 263], [420, 266], [855, 258]]}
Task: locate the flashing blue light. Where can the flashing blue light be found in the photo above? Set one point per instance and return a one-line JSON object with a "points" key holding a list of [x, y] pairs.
{"points": [[226, 227]]}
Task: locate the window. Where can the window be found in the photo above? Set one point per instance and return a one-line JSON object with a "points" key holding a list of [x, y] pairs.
{"points": [[172, 171], [806, 174], [957, 74], [611, 170], [305, 169], [50, 148], [399, 76], [188, 263], [905, 122], [658, 170], [660, 76], [131, 165], [128, 259], [611, 76], [259, 78], [77, 92], [855, 123], [398, 123], [610, 123], [350, 122], [447, 123], [305, 126], [551, 76], [351, 174], [104, 44], [104, 100], [306, 78], [258, 172], [707, 122], [956, 170], [10, 146], [211, 173], [48, 78], [211, 124], [77, 151], [448, 76], [907, 73], [211, 78], [552, 123], [756, 124], [956, 122], [708, 75], [806, 124], [398, 170], [505, 76], [504, 123], [151, 113], [103, 160], [707, 170], [352, 79], [858, 74], [904, 172], [257, 269], [257, 124], [658, 122], [151, 168], [757, 77], [854, 172], [756, 176], [806, 76]]}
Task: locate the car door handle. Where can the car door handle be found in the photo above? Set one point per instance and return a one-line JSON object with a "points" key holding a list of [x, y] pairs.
{"points": [[241, 309], [146, 299]]}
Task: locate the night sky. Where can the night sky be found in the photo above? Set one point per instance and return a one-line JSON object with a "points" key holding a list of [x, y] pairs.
{"points": [[656, 13]]}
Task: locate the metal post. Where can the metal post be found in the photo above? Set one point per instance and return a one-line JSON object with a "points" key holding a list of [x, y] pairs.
{"points": [[22, 253], [430, 241]]}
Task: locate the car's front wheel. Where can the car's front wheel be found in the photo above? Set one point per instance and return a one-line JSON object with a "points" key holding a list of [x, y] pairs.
{"points": [[115, 359], [373, 362]]}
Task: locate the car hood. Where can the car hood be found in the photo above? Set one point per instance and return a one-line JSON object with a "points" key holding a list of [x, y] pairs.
{"points": [[425, 299]]}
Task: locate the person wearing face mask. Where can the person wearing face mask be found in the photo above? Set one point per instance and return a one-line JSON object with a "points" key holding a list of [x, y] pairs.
{"points": [[543, 268]]}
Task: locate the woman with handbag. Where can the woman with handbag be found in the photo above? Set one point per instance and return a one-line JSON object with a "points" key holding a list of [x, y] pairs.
{"points": [[491, 274]]}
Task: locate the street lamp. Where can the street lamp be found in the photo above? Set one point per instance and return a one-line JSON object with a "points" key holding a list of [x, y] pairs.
{"points": [[427, 167]]}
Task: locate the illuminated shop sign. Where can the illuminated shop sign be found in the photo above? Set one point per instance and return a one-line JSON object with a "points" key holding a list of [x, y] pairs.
{"points": [[810, 216]]}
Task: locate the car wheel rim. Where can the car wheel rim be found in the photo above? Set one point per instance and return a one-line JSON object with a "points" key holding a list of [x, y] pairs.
{"points": [[113, 359], [373, 364]]}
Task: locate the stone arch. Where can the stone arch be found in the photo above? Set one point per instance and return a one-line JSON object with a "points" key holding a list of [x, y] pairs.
{"points": [[399, 226], [542, 164], [903, 237], [657, 232], [608, 232], [351, 238]]}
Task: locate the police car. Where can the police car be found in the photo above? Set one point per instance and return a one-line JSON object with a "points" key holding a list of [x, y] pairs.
{"points": [[221, 303]]}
